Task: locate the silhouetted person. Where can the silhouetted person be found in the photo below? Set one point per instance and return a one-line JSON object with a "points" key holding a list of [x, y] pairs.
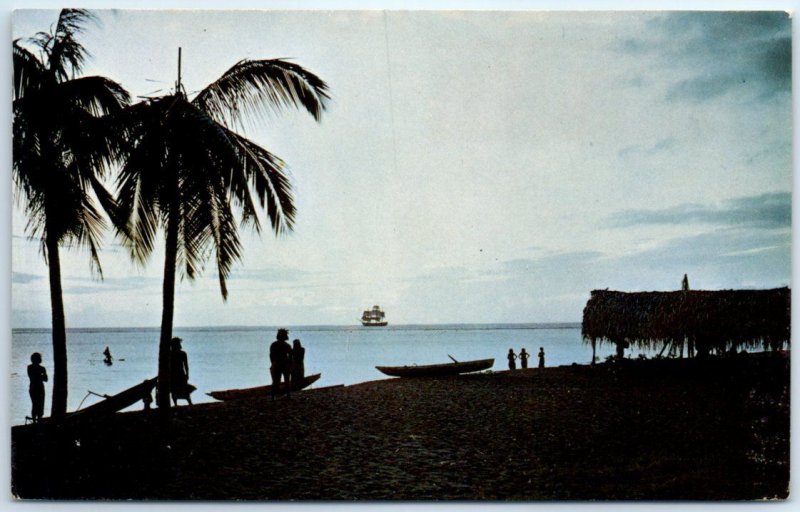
{"points": [[179, 373], [280, 358], [38, 376], [523, 358], [541, 357], [512, 364], [621, 346], [108, 359], [147, 399], [298, 365]]}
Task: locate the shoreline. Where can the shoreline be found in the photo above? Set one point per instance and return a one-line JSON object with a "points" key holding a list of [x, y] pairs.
{"points": [[656, 429]]}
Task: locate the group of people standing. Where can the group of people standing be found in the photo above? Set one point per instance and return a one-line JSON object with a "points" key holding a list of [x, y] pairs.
{"points": [[286, 362], [523, 358]]}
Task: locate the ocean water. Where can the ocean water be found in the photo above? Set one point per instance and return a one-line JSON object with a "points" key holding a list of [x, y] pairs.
{"points": [[231, 357]]}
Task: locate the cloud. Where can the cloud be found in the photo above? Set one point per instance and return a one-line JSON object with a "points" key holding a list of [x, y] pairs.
{"points": [[766, 211], [82, 286], [20, 278], [723, 51], [272, 275], [661, 146], [551, 264], [724, 258]]}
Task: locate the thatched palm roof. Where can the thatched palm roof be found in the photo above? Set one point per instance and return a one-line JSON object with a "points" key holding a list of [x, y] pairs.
{"points": [[719, 319]]}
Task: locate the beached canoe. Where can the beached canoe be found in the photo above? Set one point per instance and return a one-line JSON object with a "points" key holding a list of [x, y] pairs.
{"points": [[437, 370], [233, 394], [117, 402]]}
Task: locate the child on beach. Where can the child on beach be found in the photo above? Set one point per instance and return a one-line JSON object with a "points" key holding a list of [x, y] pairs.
{"points": [[512, 365], [541, 357], [523, 358], [38, 376]]}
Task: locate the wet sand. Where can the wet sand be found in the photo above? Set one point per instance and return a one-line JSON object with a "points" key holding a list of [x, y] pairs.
{"points": [[669, 429]]}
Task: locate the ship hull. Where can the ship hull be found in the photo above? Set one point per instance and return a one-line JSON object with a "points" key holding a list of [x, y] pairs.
{"points": [[374, 324]]}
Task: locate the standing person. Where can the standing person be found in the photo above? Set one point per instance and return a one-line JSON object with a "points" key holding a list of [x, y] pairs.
{"points": [[523, 358], [541, 357], [179, 373], [512, 365], [38, 376], [298, 365], [280, 358]]}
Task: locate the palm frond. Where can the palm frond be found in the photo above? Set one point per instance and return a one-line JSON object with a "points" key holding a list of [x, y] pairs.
{"points": [[94, 94], [270, 182], [89, 234], [29, 72], [255, 88], [138, 194], [186, 164], [210, 227], [66, 54]]}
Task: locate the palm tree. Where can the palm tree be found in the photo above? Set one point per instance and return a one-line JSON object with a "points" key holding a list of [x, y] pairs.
{"points": [[62, 150], [189, 172]]}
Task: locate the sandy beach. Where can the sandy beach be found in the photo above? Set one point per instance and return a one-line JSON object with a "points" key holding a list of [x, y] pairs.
{"points": [[663, 429]]}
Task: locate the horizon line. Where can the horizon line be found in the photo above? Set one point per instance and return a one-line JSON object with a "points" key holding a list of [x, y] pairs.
{"points": [[303, 326]]}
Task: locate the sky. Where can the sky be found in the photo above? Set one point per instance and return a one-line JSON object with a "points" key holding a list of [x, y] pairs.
{"points": [[472, 167]]}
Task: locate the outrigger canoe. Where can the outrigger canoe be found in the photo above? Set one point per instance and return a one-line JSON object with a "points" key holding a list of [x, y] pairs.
{"points": [[234, 394], [437, 370], [116, 402]]}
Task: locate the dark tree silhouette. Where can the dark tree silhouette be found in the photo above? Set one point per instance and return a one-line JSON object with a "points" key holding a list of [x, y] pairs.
{"points": [[62, 149], [189, 172]]}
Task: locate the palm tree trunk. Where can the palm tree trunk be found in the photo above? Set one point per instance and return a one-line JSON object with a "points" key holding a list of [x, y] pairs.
{"points": [[59, 404], [168, 295]]}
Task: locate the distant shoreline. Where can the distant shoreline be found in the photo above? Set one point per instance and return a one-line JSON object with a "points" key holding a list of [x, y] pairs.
{"points": [[410, 327]]}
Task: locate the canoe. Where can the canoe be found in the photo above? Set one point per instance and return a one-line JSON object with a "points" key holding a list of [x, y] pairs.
{"points": [[437, 370], [234, 394], [116, 402]]}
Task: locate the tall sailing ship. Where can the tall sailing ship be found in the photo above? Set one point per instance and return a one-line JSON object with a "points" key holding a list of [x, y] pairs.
{"points": [[374, 318]]}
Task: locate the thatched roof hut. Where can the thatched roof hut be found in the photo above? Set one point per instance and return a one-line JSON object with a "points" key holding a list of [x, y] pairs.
{"points": [[719, 320]]}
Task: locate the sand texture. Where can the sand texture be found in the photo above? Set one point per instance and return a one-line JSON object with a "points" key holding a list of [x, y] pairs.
{"points": [[668, 429]]}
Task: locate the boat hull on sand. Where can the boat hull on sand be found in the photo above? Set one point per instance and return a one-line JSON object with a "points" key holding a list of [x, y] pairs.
{"points": [[437, 370], [114, 403], [234, 394]]}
